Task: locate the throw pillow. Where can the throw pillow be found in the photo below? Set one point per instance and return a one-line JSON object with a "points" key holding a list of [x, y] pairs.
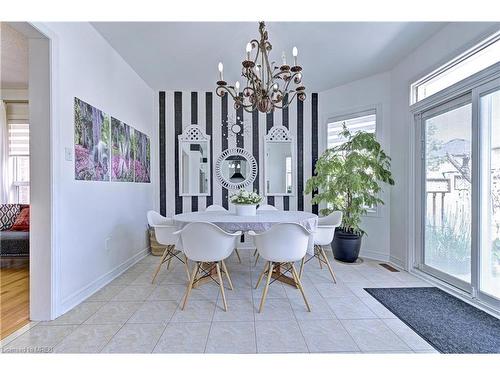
{"points": [[22, 223], [8, 214]]}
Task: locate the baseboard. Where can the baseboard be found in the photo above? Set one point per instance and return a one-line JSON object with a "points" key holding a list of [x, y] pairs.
{"points": [[397, 262], [374, 255], [82, 294]]}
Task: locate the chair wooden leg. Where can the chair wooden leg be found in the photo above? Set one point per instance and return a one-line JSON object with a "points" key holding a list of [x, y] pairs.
{"points": [[238, 255], [186, 266], [329, 266], [299, 284], [190, 285], [302, 262], [224, 268], [256, 260], [165, 253], [221, 284], [262, 275], [266, 288], [317, 255]]}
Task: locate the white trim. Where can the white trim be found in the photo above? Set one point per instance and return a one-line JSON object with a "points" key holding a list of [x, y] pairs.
{"points": [[193, 134], [457, 89], [349, 113], [287, 138], [374, 255], [83, 293], [232, 152], [446, 99], [450, 64]]}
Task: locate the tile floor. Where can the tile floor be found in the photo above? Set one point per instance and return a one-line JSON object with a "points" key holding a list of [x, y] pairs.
{"points": [[130, 315]]}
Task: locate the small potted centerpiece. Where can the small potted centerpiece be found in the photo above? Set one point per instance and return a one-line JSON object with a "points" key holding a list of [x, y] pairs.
{"points": [[246, 202]]}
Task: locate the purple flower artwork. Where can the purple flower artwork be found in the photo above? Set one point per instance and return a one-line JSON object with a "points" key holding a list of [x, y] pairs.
{"points": [[91, 142], [142, 156], [122, 163]]}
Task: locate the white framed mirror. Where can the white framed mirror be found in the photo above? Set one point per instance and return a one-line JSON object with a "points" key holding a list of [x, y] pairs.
{"points": [[236, 168], [194, 162], [279, 162]]}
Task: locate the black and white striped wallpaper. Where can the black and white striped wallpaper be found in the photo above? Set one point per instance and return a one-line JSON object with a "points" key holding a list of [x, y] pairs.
{"points": [[180, 109]]}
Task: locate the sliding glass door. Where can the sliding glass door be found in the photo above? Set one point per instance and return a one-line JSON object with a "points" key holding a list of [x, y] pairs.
{"points": [[460, 195], [448, 191], [489, 197]]}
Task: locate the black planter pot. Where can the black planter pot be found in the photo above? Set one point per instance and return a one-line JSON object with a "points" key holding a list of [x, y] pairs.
{"points": [[346, 246]]}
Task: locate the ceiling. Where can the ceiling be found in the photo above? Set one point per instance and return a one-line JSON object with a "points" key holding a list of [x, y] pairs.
{"points": [[14, 58], [184, 55]]}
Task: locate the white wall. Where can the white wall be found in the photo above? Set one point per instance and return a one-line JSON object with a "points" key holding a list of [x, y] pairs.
{"points": [[449, 42], [88, 213], [368, 93]]}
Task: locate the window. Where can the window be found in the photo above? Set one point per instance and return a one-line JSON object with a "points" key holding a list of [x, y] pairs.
{"points": [[470, 62], [19, 161], [355, 122], [362, 121]]}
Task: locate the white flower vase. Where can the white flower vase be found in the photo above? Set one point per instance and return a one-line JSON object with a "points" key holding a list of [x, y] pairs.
{"points": [[246, 209]]}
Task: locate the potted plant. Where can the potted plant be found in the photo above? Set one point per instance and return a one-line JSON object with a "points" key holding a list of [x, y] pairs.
{"points": [[348, 178], [246, 202]]}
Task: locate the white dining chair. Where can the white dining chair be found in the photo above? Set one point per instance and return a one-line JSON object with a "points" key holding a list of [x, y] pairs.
{"points": [[215, 208], [263, 207], [207, 245], [323, 236], [282, 245], [164, 233]]}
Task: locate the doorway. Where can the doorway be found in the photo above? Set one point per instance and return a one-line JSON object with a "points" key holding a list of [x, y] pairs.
{"points": [[26, 271], [460, 192]]}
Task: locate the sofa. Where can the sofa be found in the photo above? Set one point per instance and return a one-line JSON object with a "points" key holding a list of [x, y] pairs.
{"points": [[14, 230]]}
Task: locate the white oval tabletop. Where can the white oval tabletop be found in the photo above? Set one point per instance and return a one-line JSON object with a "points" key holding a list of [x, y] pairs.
{"points": [[262, 221]]}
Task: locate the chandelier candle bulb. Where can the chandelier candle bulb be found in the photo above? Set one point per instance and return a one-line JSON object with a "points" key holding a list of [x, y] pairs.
{"points": [[295, 52], [221, 68], [249, 49], [267, 85]]}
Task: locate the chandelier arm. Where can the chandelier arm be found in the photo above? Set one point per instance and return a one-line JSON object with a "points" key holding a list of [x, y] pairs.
{"points": [[292, 79], [263, 91], [223, 89]]}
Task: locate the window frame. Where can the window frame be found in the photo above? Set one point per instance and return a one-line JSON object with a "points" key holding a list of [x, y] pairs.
{"points": [[477, 46], [13, 166], [348, 113], [468, 86]]}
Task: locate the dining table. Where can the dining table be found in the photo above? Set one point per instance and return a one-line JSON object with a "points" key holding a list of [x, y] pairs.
{"points": [[261, 222]]}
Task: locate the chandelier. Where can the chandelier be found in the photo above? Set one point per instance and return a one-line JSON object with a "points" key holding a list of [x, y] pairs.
{"points": [[267, 86]]}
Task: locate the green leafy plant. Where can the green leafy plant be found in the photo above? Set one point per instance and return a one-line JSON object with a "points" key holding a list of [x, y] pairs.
{"points": [[245, 197], [348, 178]]}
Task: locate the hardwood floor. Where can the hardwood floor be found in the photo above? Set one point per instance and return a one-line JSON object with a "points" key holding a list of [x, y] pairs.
{"points": [[14, 298]]}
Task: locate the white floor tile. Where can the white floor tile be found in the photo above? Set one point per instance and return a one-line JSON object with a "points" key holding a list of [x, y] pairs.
{"points": [[182, 337], [233, 337], [350, 308], [372, 335], [327, 336], [87, 339], [135, 338], [279, 337]]}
